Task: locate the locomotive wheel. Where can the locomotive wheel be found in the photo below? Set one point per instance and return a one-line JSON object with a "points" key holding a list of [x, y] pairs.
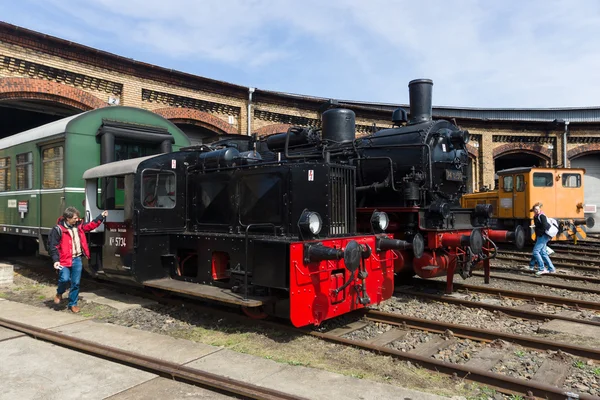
{"points": [[255, 312]]}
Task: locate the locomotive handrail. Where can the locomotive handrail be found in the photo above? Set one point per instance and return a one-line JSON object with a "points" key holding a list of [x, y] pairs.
{"points": [[298, 156], [268, 224], [392, 258], [425, 145], [391, 175]]}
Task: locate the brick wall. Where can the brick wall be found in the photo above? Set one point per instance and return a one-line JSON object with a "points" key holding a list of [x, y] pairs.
{"points": [[30, 73]]}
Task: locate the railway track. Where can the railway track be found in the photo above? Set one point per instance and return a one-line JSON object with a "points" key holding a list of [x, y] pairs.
{"points": [[151, 364], [423, 357], [535, 281], [476, 370], [589, 266], [567, 277], [473, 371], [533, 297], [512, 311]]}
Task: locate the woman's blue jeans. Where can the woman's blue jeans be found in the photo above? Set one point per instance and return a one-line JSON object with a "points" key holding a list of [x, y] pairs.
{"points": [[539, 254]]}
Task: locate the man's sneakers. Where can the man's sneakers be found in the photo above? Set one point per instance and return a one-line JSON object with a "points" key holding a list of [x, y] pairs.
{"points": [[57, 298]]}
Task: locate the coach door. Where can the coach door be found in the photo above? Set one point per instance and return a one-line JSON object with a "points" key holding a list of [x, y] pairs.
{"points": [[520, 209], [52, 194], [506, 196], [116, 196]]}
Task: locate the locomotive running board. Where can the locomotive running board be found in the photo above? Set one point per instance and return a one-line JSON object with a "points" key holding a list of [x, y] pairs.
{"points": [[207, 292]]}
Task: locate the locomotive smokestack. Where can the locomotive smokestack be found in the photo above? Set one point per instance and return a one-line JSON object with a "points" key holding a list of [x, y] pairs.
{"points": [[420, 100]]}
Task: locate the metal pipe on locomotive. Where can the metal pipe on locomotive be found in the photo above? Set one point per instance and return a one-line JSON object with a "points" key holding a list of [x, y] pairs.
{"points": [[415, 172]]}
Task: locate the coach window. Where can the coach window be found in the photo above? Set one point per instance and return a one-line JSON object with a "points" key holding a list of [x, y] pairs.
{"points": [[571, 180], [520, 183], [542, 179], [507, 183], [158, 189], [52, 167], [4, 174], [24, 171]]}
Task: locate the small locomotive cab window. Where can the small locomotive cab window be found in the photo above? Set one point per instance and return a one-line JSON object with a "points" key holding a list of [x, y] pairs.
{"points": [[507, 183], [4, 174], [158, 189], [543, 179], [571, 180], [520, 183]]}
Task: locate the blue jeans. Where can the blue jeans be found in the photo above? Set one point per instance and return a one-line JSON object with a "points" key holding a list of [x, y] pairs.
{"points": [[539, 254], [72, 274]]}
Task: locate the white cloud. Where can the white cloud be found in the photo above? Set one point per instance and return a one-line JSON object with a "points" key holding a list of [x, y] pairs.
{"points": [[479, 53]]}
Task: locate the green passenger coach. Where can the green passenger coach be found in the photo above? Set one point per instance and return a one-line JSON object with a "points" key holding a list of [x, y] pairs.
{"points": [[41, 169]]}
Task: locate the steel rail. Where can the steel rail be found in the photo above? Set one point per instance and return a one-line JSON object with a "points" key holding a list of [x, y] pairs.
{"points": [[556, 264], [535, 297], [502, 383], [478, 334], [556, 256], [539, 282], [512, 311], [561, 250], [154, 365], [553, 276]]}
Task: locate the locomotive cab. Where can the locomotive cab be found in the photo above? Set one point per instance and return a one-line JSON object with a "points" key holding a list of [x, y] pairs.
{"points": [[279, 237]]}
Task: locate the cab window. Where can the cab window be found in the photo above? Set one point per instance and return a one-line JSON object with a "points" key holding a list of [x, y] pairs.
{"points": [[571, 180], [520, 183], [507, 183], [158, 189], [543, 179]]}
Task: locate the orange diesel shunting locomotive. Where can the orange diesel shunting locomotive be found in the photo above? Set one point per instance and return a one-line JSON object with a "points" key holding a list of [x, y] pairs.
{"points": [[559, 189]]}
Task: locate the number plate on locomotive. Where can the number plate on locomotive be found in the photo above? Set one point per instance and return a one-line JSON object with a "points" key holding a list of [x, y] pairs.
{"points": [[453, 175]]}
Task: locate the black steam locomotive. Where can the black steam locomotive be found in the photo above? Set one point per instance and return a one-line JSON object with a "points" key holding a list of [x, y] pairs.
{"points": [[275, 237], [415, 172]]}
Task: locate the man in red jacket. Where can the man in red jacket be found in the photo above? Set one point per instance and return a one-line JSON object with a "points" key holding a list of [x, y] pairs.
{"points": [[67, 243]]}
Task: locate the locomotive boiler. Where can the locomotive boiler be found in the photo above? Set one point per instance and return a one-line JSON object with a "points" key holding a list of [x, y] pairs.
{"points": [[416, 173]]}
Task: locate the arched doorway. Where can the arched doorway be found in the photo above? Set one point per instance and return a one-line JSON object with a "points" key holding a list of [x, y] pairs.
{"points": [[521, 158], [21, 115], [26, 103], [199, 126], [196, 132], [591, 183]]}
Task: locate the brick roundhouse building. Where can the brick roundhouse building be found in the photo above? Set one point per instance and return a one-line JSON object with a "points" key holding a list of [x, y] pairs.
{"points": [[44, 78]]}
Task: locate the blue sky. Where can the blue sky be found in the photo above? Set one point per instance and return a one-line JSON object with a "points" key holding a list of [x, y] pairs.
{"points": [[511, 53]]}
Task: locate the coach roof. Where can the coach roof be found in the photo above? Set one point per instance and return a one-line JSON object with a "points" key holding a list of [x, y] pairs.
{"points": [[117, 168]]}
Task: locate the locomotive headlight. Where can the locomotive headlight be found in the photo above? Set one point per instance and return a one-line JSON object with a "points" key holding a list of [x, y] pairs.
{"points": [[310, 223], [379, 221]]}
